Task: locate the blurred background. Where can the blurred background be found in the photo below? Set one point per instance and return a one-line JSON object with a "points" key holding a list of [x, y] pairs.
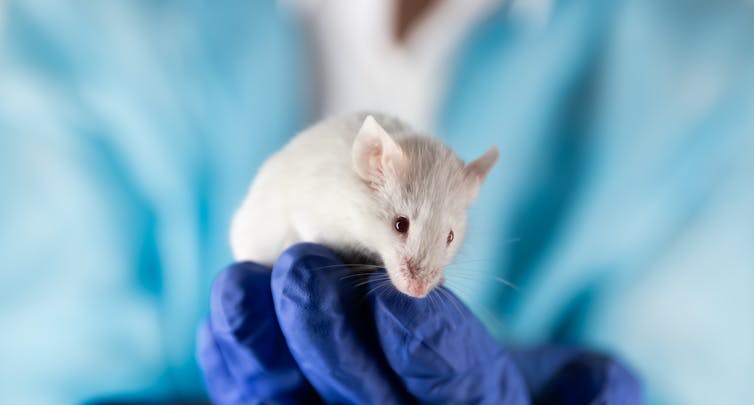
{"points": [[622, 206]]}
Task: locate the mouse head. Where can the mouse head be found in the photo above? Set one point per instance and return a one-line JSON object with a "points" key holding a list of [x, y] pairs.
{"points": [[419, 191]]}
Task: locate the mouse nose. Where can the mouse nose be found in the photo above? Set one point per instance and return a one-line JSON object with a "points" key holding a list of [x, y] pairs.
{"points": [[417, 290]]}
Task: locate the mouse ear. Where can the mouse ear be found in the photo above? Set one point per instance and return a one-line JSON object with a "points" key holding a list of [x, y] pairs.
{"points": [[375, 154], [475, 172]]}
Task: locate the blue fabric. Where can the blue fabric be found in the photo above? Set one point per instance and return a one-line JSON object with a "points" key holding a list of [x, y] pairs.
{"points": [[358, 343], [623, 203], [129, 132]]}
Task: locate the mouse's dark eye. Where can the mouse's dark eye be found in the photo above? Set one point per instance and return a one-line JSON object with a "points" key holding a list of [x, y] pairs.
{"points": [[451, 236], [401, 224]]}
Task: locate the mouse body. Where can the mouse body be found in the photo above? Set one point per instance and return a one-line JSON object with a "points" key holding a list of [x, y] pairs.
{"points": [[365, 183]]}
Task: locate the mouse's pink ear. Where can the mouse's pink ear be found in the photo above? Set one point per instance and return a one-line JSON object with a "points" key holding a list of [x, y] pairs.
{"points": [[375, 154], [476, 171]]}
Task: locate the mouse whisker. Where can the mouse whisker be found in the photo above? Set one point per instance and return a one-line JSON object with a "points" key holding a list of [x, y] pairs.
{"points": [[450, 297], [439, 302], [346, 265], [472, 276], [362, 274], [485, 316], [431, 298], [482, 277], [370, 280], [381, 286]]}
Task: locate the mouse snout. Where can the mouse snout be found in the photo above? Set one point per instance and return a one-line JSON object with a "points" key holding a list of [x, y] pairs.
{"points": [[418, 285], [410, 267], [417, 289], [413, 279]]}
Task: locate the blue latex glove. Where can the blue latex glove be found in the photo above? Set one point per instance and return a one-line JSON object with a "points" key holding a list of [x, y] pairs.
{"points": [[319, 335]]}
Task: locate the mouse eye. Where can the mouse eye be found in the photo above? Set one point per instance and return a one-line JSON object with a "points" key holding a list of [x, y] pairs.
{"points": [[451, 236], [401, 224]]}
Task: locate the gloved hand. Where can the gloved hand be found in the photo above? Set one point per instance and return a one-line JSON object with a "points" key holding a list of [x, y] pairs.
{"points": [[309, 333]]}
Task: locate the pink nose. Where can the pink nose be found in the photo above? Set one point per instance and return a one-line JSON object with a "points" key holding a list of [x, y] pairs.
{"points": [[417, 290]]}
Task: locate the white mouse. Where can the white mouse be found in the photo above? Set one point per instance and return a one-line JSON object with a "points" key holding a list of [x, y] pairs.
{"points": [[365, 183]]}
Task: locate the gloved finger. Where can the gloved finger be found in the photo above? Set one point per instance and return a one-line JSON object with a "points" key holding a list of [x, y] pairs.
{"points": [[568, 375], [443, 353], [241, 350], [327, 326]]}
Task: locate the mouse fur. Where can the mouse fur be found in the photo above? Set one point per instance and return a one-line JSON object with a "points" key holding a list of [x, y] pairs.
{"points": [[345, 183]]}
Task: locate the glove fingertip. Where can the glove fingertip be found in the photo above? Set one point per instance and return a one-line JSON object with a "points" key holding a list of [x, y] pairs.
{"points": [[305, 269], [240, 292], [299, 252], [324, 323], [215, 374]]}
